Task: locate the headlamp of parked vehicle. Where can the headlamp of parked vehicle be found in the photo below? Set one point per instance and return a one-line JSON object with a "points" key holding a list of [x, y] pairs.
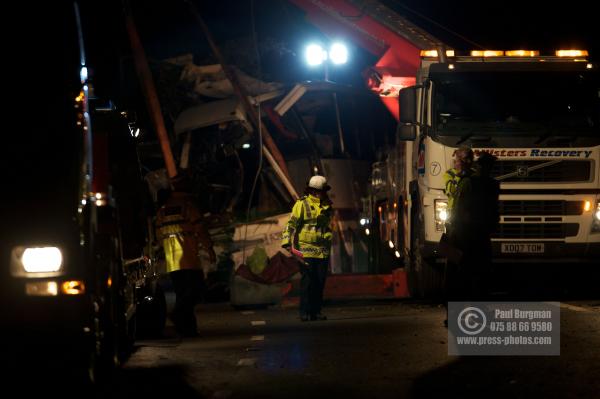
{"points": [[441, 213], [36, 261], [596, 219]]}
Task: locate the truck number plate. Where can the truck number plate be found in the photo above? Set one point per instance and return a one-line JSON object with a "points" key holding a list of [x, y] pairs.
{"points": [[522, 248]]}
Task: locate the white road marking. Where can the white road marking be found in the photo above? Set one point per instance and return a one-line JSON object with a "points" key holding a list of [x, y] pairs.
{"points": [[251, 361], [257, 338], [258, 322], [573, 307], [252, 349], [246, 312]]}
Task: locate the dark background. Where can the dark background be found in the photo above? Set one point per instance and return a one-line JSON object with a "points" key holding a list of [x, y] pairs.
{"points": [[279, 30], [40, 38], [508, 24], [168, 29]]}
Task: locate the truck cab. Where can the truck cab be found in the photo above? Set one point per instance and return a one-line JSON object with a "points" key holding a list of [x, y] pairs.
{"points": [[73, 237], [540, 116]]}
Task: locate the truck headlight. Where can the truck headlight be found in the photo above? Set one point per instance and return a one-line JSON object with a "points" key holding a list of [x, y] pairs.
{"points": [[441, 213], [36, 261], [596, 221]]}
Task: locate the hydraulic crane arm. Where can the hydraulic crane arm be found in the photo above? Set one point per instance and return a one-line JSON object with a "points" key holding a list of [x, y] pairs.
{"points": [[381, 31]]}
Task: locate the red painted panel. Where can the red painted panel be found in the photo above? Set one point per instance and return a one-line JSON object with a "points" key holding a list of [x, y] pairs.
{"points": [[400, 283], [369, 285], [340, 286], [391, 103], [398, 56], [337, 18]]}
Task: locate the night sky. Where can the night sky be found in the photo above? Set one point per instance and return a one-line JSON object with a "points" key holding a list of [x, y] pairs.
{"points": [[35, 44], [509, 24], [167, 29]]}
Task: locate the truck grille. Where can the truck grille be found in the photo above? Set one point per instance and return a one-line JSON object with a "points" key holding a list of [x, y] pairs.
{"points": [[564, 171], [540, 207], [536, 230]]}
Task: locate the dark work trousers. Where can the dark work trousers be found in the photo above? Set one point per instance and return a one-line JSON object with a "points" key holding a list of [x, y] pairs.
{"points": [[469, 281], [312, 285], [188, 285]]}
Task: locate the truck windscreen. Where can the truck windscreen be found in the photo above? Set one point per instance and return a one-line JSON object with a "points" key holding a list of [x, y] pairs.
{"points": [[564, 103]]}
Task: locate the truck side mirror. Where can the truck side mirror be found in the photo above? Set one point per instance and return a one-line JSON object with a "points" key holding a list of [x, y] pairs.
{"points": [[406, 132], [407, 100]]}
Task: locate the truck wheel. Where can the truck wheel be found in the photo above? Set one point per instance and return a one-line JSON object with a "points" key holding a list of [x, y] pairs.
{"points": [[107, 327], [151, 312], [431, 277], [102, 356], [425, 279], [126, 333], [412, 276]]}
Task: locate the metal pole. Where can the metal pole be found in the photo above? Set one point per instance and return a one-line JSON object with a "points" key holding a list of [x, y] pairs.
{"points": [[288, 185], [337, 111], [275, 158], [339, 124], [147, 85]]}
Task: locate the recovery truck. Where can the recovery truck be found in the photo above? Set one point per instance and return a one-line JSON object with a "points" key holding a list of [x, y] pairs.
{"points": [[75, 265], [539, 115]]}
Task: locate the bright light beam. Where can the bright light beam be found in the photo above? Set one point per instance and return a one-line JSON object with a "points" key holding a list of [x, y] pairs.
{"points": [[338, 53], [315, 55]]}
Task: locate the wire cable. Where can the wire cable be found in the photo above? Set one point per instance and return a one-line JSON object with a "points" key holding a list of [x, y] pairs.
{"points": [[258, 171], [438, 24]]}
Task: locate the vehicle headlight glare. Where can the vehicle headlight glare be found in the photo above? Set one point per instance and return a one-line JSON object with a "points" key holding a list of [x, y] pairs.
{"points": [[443, 215], [441, 210], [41, 260], [596, 219]]}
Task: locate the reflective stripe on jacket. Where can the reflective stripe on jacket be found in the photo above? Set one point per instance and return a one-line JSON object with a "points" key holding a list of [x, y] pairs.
{"points": [[309, 228], [180, 228], [451, 180]]}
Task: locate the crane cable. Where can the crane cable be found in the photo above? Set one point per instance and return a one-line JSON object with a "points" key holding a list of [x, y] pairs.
{"points": [[260, 143], [437, 24], [258, 171]]}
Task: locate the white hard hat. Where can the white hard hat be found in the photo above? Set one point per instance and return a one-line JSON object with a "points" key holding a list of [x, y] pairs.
{"points": [[318, 183]]}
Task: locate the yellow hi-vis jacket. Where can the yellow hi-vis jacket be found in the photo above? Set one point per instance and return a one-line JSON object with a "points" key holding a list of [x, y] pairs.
{"points": [[179, 226], [309, 227], [452, 178]]}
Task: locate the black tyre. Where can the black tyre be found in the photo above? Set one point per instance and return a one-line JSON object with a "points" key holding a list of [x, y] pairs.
{"points": [[425, 277], [151, 312], [102, 354]]}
